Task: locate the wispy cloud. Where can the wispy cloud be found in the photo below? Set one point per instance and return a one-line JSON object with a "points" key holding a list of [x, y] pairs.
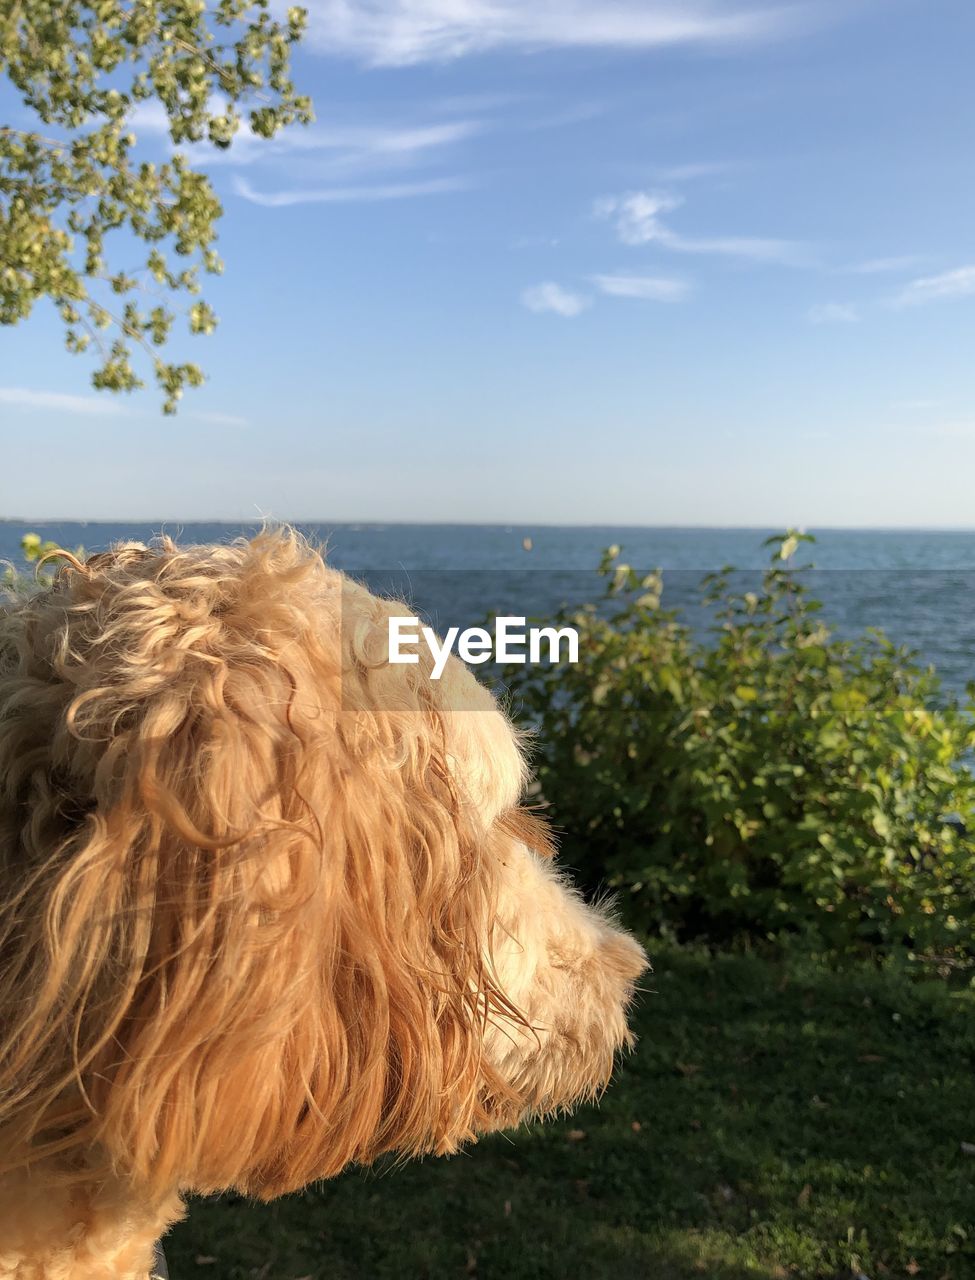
{"points": [[939, 429], [917, 404], [880, 266], [349, 195], [476, 102], [578, 113], [833, 313], [149, 118], [692, 172], [536, 242], [339, 150], [404, 32], [960, 430], [105, 406], [351, 149], [217, 419], [636, 216], [649, 288], [787, 253], [61, 402], [550, 296], [959, 283]]}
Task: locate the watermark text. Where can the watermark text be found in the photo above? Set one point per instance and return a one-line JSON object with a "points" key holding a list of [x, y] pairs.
{"points": [[513, 641]]}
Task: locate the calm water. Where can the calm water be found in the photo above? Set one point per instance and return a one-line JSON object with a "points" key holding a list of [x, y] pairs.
{"points": [[918, 586]]}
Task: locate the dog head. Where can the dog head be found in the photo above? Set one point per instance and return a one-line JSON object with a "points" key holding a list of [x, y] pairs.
{"points": [[268, 905]]}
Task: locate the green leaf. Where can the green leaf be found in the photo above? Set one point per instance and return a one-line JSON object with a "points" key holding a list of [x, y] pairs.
{"points": [[746, 693], [79, 67]]}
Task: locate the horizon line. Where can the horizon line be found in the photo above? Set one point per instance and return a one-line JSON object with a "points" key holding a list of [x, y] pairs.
{"points": [[492, 524]]}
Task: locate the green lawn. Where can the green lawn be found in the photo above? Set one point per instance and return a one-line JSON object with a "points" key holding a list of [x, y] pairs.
{"points": [[776, 1120]]}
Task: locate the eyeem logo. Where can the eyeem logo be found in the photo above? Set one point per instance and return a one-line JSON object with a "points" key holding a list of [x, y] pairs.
{"points": [[475, 644]]}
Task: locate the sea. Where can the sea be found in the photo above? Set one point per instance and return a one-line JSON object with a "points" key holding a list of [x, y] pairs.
{"points": [[917, 586]]}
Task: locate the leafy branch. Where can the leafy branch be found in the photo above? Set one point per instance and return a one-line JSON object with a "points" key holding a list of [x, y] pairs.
{"points": [[84, 67]]}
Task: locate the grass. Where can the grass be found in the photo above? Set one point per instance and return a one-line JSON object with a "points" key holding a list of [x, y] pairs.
{"points": [[778, 1119]]}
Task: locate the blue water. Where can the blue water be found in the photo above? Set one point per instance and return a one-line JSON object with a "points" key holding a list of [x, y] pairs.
{"points": [[917, 586]]}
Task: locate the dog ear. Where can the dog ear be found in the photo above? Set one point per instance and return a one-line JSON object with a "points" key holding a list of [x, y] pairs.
{"points": [[252, 922]]}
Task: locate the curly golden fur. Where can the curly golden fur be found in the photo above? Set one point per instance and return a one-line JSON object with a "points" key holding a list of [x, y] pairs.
{"points": [[268, 905]]}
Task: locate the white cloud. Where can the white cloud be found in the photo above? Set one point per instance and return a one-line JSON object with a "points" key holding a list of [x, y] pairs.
{"points": [[637, 219], [349, 195], [105, 406], [917, 404], [942, 429], [579, 113], [346, 149], [466, 102], [404, 32], [833, 313], [536, 242], [651, 288], [217, 419], [959, 283], [550, 296], [787, 253], [352, 148], [954, 430], [637, 215], [692, 172], [60, 402], [399, 141], [149, 118], [878, 266]]}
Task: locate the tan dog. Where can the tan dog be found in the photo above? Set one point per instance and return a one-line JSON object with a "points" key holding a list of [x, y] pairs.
{"points": [[268, 905]]}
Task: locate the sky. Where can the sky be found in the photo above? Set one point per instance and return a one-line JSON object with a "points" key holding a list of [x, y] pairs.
{"points": [[572, 261]]}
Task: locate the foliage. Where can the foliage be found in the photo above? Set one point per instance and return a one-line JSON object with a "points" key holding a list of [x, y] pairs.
{"points": [[82, 67], [771, 778], [36, 551], [776, 1120]]}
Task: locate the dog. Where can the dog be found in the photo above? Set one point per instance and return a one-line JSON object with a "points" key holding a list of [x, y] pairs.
{"points": [[269, 905]]}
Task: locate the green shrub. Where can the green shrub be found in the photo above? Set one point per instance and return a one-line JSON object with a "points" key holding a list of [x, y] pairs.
{"points": [[35, 551], [769, 779]]}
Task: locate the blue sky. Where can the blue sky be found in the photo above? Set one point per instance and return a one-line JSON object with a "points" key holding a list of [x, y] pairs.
{"points": [[578, 261]]}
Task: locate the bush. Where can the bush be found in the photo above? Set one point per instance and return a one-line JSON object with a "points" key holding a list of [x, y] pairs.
{"points": [[767, 779], [36, 551]]}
